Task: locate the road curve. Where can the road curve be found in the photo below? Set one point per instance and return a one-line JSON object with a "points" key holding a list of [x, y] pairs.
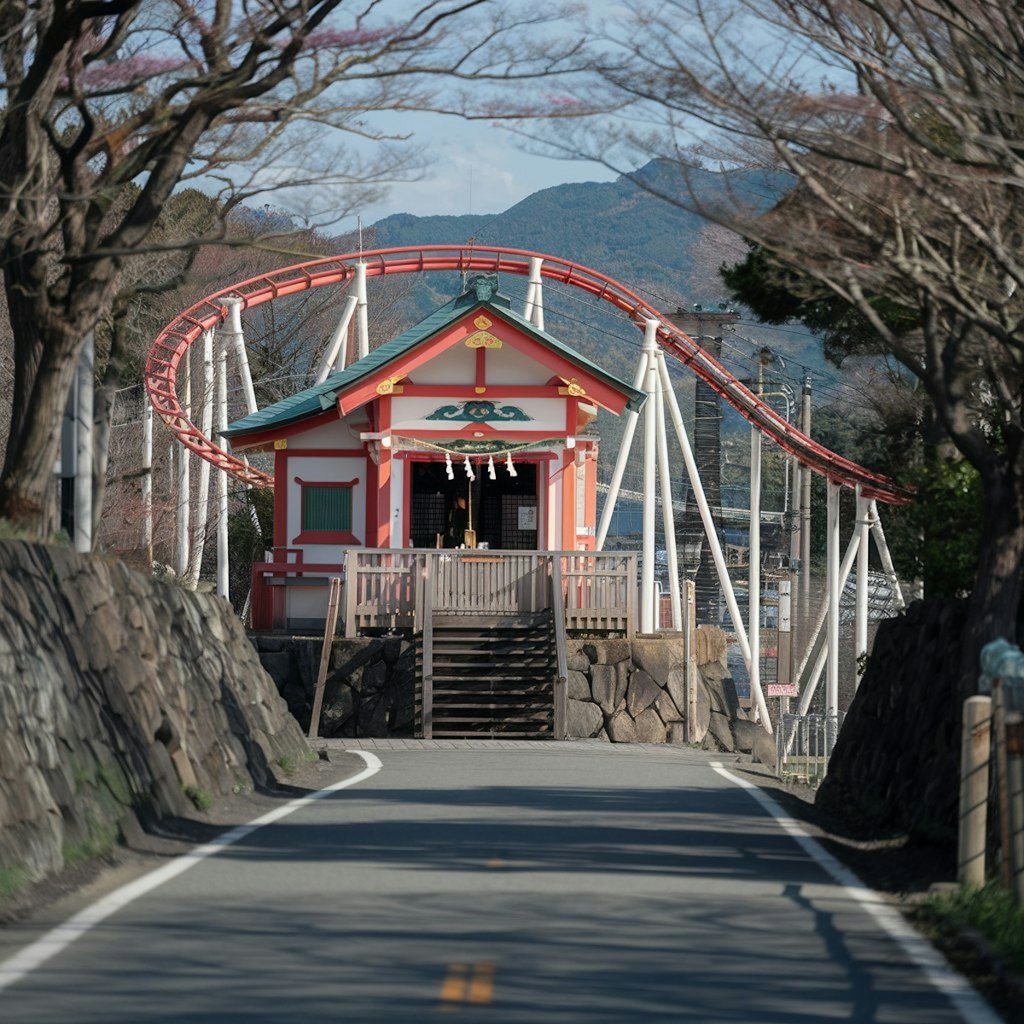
{"points": [[506, 883]]}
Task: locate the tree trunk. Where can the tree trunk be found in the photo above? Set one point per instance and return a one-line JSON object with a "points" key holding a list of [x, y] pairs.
{"points": [[103, 414], [26, 488], [995, 605], [49, 330]]}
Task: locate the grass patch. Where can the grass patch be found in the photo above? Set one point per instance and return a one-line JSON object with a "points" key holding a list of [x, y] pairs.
{"points": [[99, 842], [8, 531], [12, 881], [201, 800], [288, 763], [990, 910]]}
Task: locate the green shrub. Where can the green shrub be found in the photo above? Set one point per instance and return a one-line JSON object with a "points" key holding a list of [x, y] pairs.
{"points": [[201, 800], [991, 910], [12, 881]]}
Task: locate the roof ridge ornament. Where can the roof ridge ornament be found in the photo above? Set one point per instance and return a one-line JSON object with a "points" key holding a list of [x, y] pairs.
{"points": [[484, 286]]}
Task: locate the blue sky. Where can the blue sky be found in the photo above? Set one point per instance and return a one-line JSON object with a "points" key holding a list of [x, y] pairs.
{"points": [[476, 167]]}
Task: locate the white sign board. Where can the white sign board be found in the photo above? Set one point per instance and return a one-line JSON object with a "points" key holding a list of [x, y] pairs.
{"points": [[527, 517], [781, 690]]}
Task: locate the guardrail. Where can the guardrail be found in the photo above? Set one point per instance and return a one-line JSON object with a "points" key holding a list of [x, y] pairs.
{"points": [[804, 745]]}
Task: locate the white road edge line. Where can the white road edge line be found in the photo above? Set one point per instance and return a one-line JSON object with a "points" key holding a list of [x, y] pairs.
{"points": [[971, 1006], [36, 954]]}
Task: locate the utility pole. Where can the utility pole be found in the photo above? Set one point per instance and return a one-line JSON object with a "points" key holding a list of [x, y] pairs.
{"points": [[804, 603], [707, 327]]}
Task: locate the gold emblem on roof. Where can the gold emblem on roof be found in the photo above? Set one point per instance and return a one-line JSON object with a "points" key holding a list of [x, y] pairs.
{"points": [[482, 339], [482, 322], [574, 388], [387, 387]]}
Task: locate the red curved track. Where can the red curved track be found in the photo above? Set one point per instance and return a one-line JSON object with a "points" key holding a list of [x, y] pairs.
{"points": [[174, 340]]}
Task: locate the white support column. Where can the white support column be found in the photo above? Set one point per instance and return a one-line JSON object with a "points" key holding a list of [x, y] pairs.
{"points": [[647, 595], [334, 356], [712, 537], [754, 573], [665, 481], [233, 329], [83, 448], [817, 649], [184, 482], [222, 476], [534, 308], [628, 430], [362, 316], [203, 499], [147, 478], [860, 646], [705, 513], [883, 553], [834, 590]]}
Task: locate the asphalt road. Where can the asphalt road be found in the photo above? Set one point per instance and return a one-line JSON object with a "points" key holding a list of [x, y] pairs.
{"points": [[555, 882]]}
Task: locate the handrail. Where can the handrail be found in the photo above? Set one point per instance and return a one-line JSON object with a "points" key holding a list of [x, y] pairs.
{"points": [[427, 687], [561, 680], [174, 340]]}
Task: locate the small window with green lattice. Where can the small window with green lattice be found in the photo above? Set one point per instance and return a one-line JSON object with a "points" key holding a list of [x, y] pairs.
{"points": [[326, 512]]}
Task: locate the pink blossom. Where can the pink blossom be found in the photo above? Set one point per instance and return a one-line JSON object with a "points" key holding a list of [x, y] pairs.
{"points": [[562, 100], [334, 38], [128, 71]]}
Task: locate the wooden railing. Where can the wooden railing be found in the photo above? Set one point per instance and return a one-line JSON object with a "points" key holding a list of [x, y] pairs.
{"points": [[600, 591], [561, 708], [383, 588], [387, 588], [474, 582]]}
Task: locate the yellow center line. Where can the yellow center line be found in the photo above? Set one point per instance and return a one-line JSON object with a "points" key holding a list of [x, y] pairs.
{"points": [[453, 990], [481, 985], [467, 984]]}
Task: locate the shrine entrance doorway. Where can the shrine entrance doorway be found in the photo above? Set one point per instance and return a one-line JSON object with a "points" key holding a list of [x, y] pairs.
{"points": [[503, 512]]}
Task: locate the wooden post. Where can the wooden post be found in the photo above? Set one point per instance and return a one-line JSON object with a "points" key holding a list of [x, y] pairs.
{"points": [[351, 591], [690, 659], [976, 742], [561, 695], [631, 596], [1002, 783], [427, 687], [1015, 786], [325, 655]]}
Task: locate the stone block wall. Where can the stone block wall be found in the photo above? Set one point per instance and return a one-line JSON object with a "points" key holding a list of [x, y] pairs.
{"points": [[896, 765], [119, 696], [622, 691], [634, 691], [370, 686]]}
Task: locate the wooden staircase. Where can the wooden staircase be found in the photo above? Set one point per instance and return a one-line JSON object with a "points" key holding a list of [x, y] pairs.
{"points": [[490, 676]]}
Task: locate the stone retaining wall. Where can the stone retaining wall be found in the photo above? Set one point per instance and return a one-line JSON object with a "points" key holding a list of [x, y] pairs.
{"points": [[635, 692], [896, 764], [369, 689], [619, 690], [121, 697]]}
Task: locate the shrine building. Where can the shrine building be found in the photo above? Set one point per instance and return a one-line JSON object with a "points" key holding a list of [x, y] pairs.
{"points": [[467, 430]]}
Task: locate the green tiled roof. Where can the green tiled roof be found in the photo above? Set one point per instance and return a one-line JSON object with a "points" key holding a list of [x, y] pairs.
{"points": [[322, 396]]}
